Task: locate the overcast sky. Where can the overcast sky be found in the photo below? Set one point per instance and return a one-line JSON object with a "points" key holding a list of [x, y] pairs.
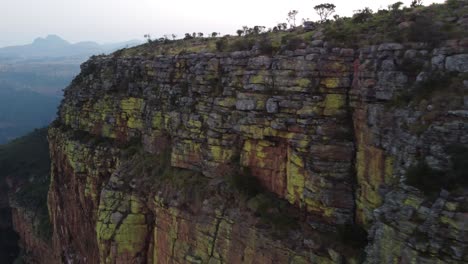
{"points": [[119, 20]]}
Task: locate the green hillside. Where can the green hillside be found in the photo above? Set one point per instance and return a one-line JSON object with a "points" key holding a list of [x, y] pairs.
{"points": [[27, 161]]}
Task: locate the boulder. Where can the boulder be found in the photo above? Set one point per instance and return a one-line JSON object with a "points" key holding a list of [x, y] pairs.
{"points": [[457, 63]]}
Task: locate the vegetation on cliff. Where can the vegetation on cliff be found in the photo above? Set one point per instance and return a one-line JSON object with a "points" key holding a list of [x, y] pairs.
{"points": [[396, 23], [25, 163], [431, 181]]}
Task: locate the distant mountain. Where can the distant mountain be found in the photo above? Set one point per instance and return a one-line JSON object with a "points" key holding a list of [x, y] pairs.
{"points": [[33, 76], [53, 46]]}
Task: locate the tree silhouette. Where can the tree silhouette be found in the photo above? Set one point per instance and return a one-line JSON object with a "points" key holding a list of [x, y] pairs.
{"points": [[324, 11], [292, 18]]}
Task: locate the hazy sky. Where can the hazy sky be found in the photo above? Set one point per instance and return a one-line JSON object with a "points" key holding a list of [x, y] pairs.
{"points": [[118, 20]]}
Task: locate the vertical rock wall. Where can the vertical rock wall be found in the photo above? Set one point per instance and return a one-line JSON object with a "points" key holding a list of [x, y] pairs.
{"points": [[321, 128]]}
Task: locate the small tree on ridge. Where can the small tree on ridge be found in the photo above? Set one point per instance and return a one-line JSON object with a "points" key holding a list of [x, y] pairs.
{"points": [[324, 11]]}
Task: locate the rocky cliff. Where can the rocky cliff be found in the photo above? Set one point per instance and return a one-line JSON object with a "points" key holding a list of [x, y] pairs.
{"points": [[8, 239], [24, 178], [317, 154]]}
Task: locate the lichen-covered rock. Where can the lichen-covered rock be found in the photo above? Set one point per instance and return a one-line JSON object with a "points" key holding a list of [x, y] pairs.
{"points": [[324, 130]]}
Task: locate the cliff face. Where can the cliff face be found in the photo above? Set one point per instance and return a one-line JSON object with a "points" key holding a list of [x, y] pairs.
{"points": [[24, 180], [8, 239], [247, 158]]}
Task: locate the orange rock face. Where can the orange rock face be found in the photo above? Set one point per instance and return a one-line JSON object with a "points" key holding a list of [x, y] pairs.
{"points": [[37, 249], [267, 161]]}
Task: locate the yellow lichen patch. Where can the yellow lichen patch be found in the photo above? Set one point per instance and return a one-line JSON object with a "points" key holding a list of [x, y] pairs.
{"points": [[295, 180], [318, 207], [135, 205], [334, 103], [134, 123], [390, 247], [336, 67], [157, 122], [373, 171], [452, 222], [360, 165], [309, 110], [194, 125], [255, 150], [331, 82], [121, 225], [253, 131], [259, 78], [413, 201], [132, 109], [375, 167], [131, 104], [130, 238], [107, 131], [296, 159], [221, 154], [226, 102], [271, 132], [451, 206], [303, 82]]}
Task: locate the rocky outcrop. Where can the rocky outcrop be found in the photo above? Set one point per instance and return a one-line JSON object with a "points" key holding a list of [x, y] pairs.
{"points": [[145, 149]]}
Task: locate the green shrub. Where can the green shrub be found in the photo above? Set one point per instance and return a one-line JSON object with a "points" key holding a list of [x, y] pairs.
{"points": [[431, 181], [247, 184], [33, 197], [221, 44], [424, 89], [242, 44], [131, 148], [361, 16], [353, 235], [291, 42], [424, 178], [266, 47], [458, 174], [423, 29], [274, 213], [454, 4], [411, 66]]}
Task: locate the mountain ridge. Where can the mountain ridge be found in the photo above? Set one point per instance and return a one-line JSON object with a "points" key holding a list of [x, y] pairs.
{"points": [[53, 46]]}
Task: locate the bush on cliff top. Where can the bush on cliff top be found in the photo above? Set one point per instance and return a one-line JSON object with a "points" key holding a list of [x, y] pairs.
{"points": [[431, 24], [418, 24]]}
